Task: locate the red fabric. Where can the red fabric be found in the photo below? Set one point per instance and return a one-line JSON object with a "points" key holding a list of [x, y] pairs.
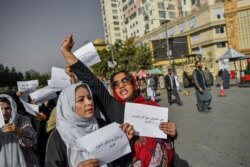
{"points": [[143, 147]]}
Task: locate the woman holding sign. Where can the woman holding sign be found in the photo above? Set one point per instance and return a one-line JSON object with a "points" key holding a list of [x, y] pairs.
{"points": [[17, 137], [75, 119], [146, 151]]}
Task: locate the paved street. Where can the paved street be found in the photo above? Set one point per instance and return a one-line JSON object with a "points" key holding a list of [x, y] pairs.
{"points": [[217, 139]]}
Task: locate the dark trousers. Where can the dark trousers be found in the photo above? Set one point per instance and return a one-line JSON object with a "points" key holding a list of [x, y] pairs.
{"points": [[175, 93], [203, 104]]}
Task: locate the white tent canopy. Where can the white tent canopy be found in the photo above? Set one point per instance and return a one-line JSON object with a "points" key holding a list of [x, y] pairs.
{"points": [[231, 54]]}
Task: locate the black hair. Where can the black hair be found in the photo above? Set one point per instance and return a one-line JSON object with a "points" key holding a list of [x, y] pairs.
{"points": [[5, 100], [196, 62]]}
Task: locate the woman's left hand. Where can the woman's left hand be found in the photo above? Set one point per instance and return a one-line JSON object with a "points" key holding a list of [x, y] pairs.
{"points": [[169, 128], [11, 127], [128, 129], [41, 116]]}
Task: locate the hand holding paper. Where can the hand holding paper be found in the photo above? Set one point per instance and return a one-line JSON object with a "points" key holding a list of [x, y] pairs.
{"points": [[128, 129], [106, 144], [169, 128], [146, 119]]}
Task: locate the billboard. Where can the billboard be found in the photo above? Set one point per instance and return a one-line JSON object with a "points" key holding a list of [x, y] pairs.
{"points": [[177, 45]]}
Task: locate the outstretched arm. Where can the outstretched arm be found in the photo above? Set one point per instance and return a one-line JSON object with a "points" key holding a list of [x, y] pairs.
{"points": [[66, 47], [108, 105]]}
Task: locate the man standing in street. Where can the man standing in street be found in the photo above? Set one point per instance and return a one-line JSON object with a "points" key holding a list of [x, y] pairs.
{"points": [[203, 95], [170, 84]]}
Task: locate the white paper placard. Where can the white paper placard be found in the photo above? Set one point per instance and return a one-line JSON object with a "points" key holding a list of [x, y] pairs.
{"points": [[146, 119], [30, 108], [43, 94], [88, 55], [59, 78], [24, 86], [106, 144]]}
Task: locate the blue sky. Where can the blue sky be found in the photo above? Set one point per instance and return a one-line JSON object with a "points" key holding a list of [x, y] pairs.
{"points": [[31, 30]]}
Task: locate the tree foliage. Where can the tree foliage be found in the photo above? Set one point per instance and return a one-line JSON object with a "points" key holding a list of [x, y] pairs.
{"points": [[127, 55], [9, 77]]}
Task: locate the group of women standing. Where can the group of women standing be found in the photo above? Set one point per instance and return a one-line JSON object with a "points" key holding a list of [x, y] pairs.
{"points": [[75, 117]]}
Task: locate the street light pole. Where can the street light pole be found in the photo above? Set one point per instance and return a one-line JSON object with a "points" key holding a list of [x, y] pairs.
{"points": [[168, 52]]}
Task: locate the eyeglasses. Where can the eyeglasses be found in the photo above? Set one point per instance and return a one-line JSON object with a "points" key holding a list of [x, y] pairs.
{"points": [[124, 80]]}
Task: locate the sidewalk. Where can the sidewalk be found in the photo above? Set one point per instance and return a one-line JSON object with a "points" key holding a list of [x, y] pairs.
{"points": [[217, 139]]}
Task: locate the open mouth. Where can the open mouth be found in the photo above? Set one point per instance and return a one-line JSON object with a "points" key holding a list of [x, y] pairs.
{"points": [[123, 91], [89, 110]]}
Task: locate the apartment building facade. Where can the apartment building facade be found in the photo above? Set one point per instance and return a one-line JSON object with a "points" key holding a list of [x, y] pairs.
{"points": [[237, 15], [124, 19], [205, 34]]}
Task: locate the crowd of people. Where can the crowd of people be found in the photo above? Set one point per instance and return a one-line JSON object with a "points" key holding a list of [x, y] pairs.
{"points": [[48, 139]]}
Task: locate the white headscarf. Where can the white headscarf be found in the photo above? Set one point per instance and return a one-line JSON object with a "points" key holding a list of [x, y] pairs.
{"points": [[71, 126], [10, 150]]}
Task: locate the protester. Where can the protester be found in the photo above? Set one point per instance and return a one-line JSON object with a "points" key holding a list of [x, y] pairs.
{"points": [[208, 77], [17, 137], [75, 119], [225, 76], [146, 151], [203, 95], [39, 123], [142, 87], [162, 82], [176, 81], [170, 82], [151, 87]]}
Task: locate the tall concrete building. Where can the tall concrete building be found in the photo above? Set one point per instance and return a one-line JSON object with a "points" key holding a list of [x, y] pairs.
{"points": [[203, 32], [237, 15], [133, 18], [112, 20]]}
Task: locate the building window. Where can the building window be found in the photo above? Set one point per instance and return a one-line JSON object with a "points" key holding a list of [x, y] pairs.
{"points": [[162, 14], [116, 22], [131, 2], [221, 45], [184, 2], [125, 7], [115, 17], [195, 37], [113, 0], [117, 29], [171, 7], [160, 5], [113, 5], [172, 15], [117, 35], [219, 30], [114, 11]]}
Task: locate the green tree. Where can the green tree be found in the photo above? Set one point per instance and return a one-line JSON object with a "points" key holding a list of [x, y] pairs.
{"points": [[127, 55], [102, 69]]}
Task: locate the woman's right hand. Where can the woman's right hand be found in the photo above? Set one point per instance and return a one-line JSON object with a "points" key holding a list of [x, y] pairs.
{"points": [[89, 163], [66, 47], [67, 44]]}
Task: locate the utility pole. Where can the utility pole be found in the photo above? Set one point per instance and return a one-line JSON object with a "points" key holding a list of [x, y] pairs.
{"points": [[168, 52]]}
